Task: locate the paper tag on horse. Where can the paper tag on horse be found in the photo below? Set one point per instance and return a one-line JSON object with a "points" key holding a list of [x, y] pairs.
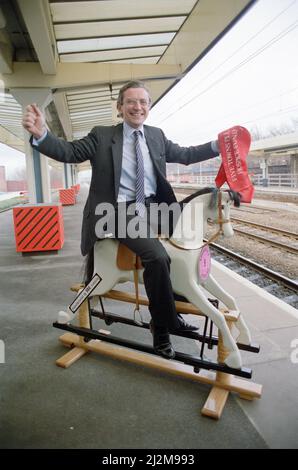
{"points": [[234, 145], [83, 294]]}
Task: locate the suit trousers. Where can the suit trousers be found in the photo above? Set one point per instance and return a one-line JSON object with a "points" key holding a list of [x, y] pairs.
{"points": [[156, 263]]}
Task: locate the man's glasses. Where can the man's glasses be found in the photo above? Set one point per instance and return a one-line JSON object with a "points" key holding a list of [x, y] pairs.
{"points": [[131, 102]]}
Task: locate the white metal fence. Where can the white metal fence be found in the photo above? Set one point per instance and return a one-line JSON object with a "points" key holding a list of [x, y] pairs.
{"points": [[277, 180]]}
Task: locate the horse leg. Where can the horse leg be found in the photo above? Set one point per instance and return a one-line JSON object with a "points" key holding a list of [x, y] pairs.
{"points": [[212, 286], [105, 255], [196, 296]]}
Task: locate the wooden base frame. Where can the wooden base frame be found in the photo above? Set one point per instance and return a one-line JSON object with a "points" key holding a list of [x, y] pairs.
{"points": [[222, 383]]}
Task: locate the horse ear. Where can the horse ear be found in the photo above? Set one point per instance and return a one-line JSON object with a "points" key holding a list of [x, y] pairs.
{"points": [[237, 198]]}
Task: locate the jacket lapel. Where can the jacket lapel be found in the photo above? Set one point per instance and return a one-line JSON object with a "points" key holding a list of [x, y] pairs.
{"points": [[117, 151], [154, 148]]}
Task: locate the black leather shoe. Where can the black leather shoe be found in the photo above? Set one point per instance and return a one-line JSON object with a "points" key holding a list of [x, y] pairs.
{"points": [[161, 342], [183, 327]]}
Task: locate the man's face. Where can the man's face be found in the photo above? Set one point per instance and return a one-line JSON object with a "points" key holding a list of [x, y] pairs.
{"points": [[135, 106]]}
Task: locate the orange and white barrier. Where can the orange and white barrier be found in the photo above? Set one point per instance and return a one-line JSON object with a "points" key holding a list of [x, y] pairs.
{"points": [[76, 187], [67, 197], [38, 227]]}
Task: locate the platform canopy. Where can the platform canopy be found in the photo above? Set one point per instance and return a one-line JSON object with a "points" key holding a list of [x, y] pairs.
{"points": [[84, 51]]}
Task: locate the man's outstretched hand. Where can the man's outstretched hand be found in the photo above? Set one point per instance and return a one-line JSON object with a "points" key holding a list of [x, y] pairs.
{"points": [[34, 121]]}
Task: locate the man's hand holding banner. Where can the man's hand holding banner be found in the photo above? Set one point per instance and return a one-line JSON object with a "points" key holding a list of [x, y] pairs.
{"points": [[234, 145]]}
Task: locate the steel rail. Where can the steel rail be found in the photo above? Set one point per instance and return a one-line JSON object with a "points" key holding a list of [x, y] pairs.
{"points": [[265, 227], [262, 239], [285, 281]]}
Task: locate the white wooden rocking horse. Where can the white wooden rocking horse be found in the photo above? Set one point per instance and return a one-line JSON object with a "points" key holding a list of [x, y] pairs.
{"points": [[190, 281], [208, 205]]}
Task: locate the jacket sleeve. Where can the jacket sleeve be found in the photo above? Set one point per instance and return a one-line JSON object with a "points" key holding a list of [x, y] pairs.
{"points": [[76, 151], [188, 155]]}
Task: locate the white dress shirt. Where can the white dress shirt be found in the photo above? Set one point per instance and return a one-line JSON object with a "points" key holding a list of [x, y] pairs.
{"points": [[127, 190]]}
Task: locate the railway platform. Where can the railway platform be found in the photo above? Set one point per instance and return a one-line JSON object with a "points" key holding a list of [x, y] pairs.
{"points": [[104, 404]]}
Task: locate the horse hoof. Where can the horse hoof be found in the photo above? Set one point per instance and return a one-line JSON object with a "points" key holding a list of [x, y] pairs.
{"points": [[234, 360], [63, 317]]}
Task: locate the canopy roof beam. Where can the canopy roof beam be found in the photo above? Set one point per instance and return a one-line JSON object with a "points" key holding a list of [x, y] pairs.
{"points": [[36, 16], [74, 75], [6, 51]]}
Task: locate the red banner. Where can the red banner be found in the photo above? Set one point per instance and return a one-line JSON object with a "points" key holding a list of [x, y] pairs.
{"points": [[234, 145]]}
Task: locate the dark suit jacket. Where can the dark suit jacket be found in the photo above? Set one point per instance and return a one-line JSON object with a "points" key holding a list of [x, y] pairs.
{"points": [[103, 147]]}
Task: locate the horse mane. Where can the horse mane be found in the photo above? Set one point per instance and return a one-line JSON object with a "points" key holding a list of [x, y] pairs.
{"points": [[197, 193], [235, 196]]}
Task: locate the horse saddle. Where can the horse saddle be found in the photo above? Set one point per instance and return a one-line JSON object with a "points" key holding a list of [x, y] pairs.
{"points": [[127, 260]]}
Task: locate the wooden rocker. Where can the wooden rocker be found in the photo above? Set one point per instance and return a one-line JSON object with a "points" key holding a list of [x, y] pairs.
{"points": [[82, 339]]}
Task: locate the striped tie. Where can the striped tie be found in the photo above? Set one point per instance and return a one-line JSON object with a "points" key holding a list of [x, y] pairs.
{"points": [[140, 190]]}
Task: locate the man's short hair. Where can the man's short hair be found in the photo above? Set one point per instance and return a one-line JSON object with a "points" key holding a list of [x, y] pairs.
{"points": [[132, 84]]}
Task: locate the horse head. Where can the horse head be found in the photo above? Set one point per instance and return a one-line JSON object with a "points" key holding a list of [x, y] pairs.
{"points": [[216, 208]]}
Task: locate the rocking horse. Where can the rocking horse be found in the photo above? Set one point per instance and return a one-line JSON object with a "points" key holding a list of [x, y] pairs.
{"points": [[192, 282]]}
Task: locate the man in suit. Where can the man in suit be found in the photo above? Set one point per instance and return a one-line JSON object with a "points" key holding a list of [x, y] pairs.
{"points": [[113, 154]]}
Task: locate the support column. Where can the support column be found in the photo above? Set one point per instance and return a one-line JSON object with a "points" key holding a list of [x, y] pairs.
{"points": [[264, 168], [74, 174], [68, 173], [72, 170], [37, 167], [65, 176]]}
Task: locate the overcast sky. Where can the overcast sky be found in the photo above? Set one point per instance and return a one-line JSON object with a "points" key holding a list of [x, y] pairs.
{"points": [[249, 78]]}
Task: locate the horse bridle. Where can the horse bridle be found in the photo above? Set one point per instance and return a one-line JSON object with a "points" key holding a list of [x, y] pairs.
{"points": [[220, 221]]}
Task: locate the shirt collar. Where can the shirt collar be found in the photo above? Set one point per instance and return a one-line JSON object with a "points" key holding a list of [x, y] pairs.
{"points": [[128, 130]]}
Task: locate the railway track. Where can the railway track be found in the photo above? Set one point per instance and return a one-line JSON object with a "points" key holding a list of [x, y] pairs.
{"points": [[271, 281], [5, 209], [251, 209], [266, 227], [290, 244], [276, 284]]}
